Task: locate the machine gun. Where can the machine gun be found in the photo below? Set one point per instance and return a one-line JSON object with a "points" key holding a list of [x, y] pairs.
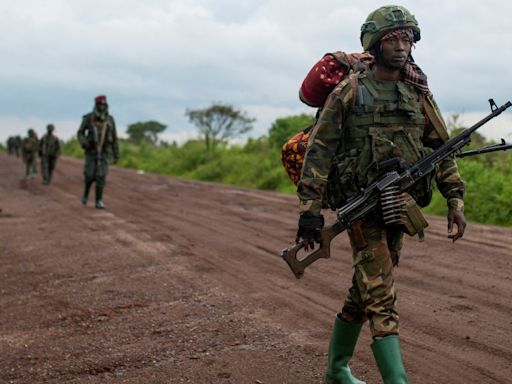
{"points": [[392, 182]]}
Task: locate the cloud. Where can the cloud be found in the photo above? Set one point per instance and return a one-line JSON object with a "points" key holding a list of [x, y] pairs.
{"points": [[156, 58]]}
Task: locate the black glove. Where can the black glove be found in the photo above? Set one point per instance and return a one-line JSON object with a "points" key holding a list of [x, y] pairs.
{"points": [[310, 227]]}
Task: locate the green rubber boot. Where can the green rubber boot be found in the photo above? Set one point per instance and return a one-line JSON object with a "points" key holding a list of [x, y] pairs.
{"points": [[341, 348], [99, 197], [389, 360], [85, 196]]}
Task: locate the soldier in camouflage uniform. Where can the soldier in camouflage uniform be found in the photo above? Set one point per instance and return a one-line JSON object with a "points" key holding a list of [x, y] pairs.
{"points": [[98, 137], [10, 145], [29, 150], [383, 112], [17, 145], [49, 151]]}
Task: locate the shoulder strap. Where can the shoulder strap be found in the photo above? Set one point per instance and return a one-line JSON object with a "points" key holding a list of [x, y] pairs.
{"points": [[354, 62], [433, 115]]}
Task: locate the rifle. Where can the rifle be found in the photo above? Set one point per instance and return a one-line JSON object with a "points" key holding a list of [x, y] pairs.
{"points": [[97, 145], [361, 204]]}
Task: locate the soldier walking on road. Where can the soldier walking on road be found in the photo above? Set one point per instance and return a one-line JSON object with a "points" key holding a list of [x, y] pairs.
{"points": [[380, 113], [10, 145], [17, 145], [98, 137], [49, 151], [29, 150]]}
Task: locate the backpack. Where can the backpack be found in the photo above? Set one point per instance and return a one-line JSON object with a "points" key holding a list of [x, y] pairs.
{"points": [[293, 153], [318, 84]]}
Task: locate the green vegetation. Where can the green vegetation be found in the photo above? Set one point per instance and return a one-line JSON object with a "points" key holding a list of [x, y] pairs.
{"points": [[219, 123], [146, 131], [256, 164]]}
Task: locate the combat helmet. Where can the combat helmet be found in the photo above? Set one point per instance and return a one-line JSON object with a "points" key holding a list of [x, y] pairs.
{"points": [[384, 20], [50, 127]]}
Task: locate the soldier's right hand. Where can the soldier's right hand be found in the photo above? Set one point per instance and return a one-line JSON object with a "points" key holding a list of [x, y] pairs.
{"points": [[310, 227]]}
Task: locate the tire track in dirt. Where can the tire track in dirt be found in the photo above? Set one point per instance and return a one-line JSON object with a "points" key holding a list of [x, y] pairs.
{"points": [[237, 313]]}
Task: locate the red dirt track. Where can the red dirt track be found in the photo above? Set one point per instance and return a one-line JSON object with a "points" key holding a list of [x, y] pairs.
{"points": [[180, 282]]}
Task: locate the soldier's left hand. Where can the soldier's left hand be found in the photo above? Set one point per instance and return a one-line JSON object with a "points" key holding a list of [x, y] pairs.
{"points": [[456, 217]]}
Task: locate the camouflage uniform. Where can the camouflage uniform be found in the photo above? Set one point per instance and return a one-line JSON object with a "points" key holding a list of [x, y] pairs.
{"points": [[17, 145], [29, 150], [353, 137], [364, 122], [10, 145], [98, 137], [49, 151]]}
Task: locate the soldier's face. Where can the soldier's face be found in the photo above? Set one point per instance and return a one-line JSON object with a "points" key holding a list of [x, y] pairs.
{"points": [[395, 52], [101, 106]]}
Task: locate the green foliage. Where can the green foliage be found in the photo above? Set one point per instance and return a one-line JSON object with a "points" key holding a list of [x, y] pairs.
{"points": [[488, 192], [72, 148], [286, 127], [487, 180], [145, 131], [256, 164], [219, 123]]}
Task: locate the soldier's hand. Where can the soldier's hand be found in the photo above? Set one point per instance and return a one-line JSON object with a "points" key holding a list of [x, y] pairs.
{"points": [[310, 227], [456, 217]]}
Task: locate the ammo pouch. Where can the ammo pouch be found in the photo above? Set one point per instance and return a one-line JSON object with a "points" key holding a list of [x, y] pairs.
{"points": [[413, 220]]}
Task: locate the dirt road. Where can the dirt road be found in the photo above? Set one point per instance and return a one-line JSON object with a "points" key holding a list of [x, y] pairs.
{"points": [[180, 282]]}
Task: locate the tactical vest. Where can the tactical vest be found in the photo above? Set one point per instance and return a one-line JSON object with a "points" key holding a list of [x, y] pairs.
{"points": [[49, 145], [385, 121], [106, 139]]}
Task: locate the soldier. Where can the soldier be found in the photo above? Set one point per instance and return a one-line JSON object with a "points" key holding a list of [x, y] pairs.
{"points": [[17, 145], [98, 137], [10, 145], [382, 112], [49, 150], [29, 150]]}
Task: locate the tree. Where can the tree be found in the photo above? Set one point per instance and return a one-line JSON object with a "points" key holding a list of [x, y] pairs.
{"points": [[219, 122], [148, 131], [285, 127]]}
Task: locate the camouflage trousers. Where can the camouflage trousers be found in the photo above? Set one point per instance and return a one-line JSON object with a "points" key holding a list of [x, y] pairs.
{"points": [[372, 296], [95, 170], [30, 165], [47, 166]]}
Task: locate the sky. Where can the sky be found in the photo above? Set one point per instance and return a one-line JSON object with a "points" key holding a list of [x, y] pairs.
{"points": [[155, 59]]}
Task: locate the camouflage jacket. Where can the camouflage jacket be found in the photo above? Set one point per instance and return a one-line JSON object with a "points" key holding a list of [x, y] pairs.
{"points": [[49, 145], [328, 136], [98, 135], [30, 146]]}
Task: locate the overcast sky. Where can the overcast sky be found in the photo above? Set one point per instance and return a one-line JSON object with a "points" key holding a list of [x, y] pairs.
{"points": [[154, 58]]}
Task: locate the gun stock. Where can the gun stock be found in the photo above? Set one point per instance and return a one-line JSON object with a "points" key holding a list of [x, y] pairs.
{"points": [[323, 252]]}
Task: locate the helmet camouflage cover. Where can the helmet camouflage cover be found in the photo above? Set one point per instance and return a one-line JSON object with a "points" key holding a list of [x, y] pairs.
{"points": [[385, 19]]}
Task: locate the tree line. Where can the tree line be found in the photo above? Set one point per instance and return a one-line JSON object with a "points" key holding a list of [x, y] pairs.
{"points": [[256, 163]]}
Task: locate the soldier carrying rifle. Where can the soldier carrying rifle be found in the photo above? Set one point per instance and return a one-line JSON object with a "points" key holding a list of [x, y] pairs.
{"points": [[98, 137], [49, 151], [383, 112]]}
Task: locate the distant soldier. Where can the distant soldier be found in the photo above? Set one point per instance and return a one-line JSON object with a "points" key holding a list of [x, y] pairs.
{"points": [[17, 145], [98, 137], [10, 145], [29, 149], [49, 151]]}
